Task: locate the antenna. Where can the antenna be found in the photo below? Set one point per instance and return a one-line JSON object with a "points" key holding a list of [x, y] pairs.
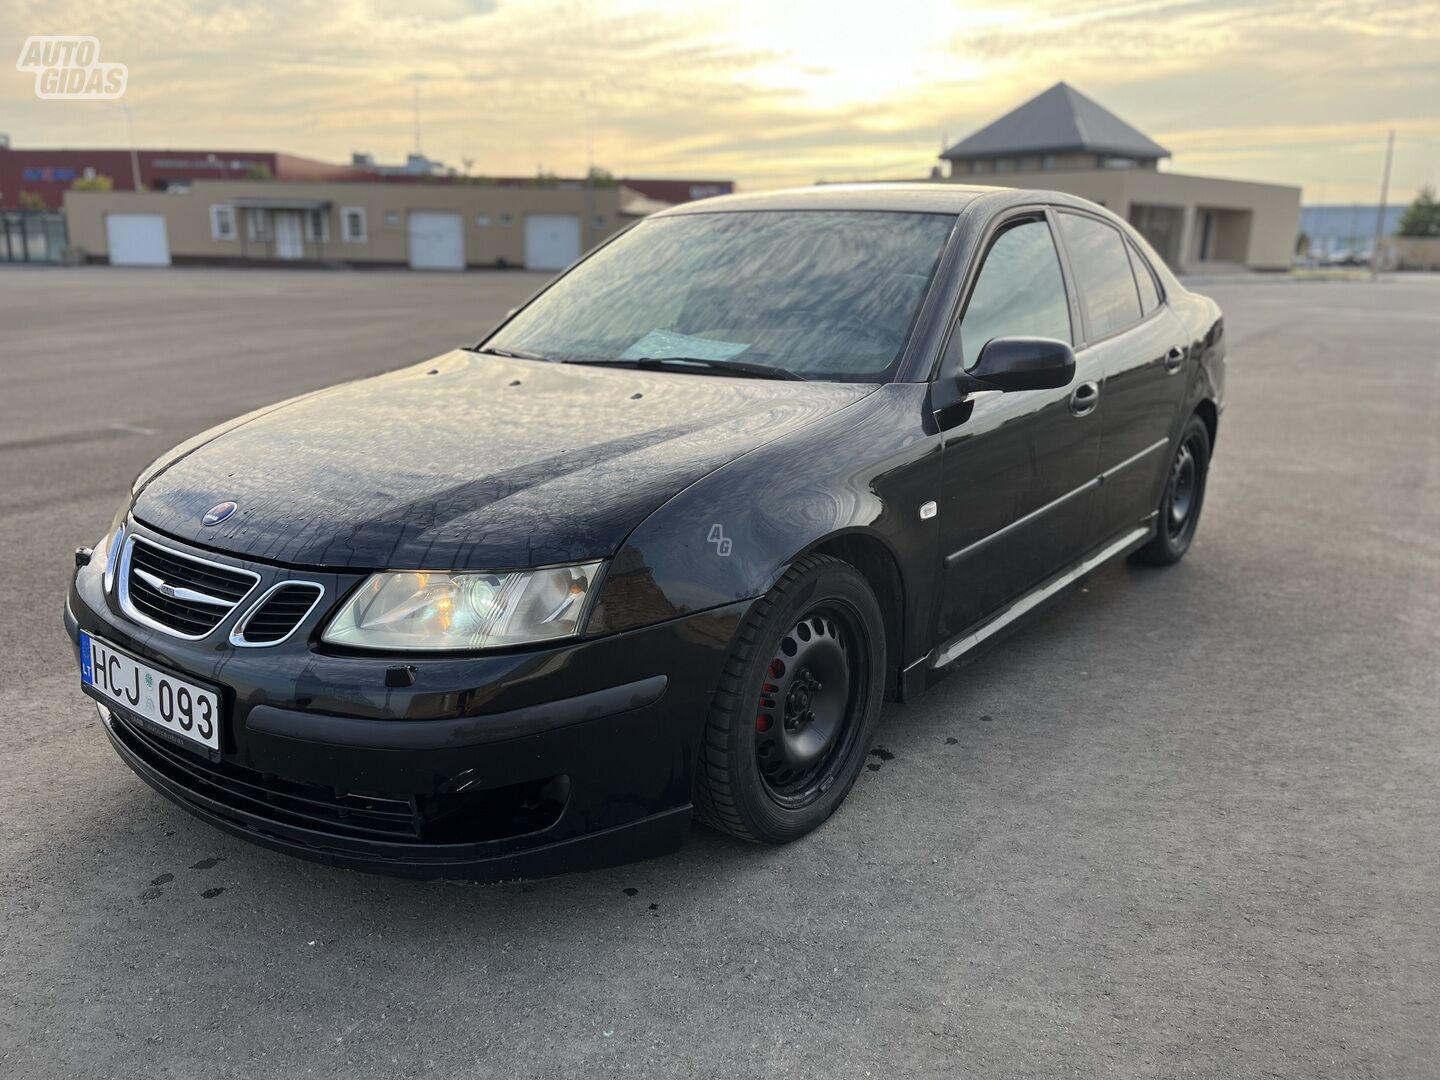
{"points": [[417, 119]]}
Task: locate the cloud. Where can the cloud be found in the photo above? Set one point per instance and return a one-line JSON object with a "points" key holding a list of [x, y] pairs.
{"points": [[762, 91]]}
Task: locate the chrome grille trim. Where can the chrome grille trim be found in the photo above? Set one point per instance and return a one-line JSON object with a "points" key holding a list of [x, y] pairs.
{"points": [[237, 632], [180, 592], [224, 606]]}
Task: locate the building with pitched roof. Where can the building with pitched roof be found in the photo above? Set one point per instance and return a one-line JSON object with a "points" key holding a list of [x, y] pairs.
{"points": [[1062, 140]]}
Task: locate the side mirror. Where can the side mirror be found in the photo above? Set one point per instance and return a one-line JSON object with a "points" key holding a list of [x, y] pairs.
{"points": [[1020, 363]]}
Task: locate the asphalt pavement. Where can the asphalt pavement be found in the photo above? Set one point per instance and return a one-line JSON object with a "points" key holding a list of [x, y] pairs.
{"points": [[1187, 824]]}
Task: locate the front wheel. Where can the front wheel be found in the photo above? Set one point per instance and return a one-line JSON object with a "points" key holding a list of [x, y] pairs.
{"points": [[1184, 496], [793, 716]]}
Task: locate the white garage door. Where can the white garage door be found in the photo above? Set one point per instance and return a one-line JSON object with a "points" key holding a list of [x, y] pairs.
{"points": [[137, 240], [437, 240], [552, 241]]}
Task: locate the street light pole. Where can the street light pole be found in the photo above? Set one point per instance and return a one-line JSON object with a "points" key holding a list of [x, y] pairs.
{"points": [[134, 154], [1380, 214]]}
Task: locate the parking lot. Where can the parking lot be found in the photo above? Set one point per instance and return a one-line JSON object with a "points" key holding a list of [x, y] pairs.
{"points": [[1187, 824]]}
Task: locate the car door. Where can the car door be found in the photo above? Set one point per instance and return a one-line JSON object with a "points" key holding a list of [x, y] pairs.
{"points": [[1142, 352], [1019, 469]]}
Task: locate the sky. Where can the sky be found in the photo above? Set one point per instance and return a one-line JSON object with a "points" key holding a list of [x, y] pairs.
{"points": [[766, 92]]}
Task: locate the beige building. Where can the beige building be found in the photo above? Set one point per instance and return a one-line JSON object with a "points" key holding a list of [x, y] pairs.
{"points": [[1063, 141], [428, 226]]}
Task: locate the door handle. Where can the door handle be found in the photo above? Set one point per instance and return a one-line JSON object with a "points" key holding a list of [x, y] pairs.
{"points": [[1174, 358], [1084, 398]]}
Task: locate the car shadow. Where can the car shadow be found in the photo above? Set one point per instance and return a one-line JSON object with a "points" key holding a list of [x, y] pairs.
{"points": [[143, 870]]}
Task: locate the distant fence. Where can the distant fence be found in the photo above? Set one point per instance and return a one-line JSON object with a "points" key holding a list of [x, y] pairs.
{"points": [[1410, 253], [32, 236]]}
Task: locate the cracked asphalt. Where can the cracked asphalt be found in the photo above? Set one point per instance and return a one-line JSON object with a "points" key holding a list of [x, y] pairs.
{"points": [[1185, 824]]}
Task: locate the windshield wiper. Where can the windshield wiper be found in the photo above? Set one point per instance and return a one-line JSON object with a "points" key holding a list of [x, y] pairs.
{"points": [[683, 363], [512, 354]]}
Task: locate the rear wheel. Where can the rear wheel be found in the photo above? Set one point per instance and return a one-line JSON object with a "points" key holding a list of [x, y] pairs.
{"points": [[1184, 496], [793, 715]]}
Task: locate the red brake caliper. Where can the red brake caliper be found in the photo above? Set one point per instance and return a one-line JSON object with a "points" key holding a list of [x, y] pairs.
{"points": [[763, 721]]}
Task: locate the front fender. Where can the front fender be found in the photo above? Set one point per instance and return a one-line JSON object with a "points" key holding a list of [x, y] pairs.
{"points": [[864, 471]]}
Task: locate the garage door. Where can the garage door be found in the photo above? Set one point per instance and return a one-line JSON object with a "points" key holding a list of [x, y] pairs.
{"points": [[552, 241], [437, 240], [137, 240]]}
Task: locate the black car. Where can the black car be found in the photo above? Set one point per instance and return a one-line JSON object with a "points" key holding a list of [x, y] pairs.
{"points": [[662, 543]]}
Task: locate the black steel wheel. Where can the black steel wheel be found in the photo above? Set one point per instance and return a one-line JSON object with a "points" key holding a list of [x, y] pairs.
{"points": [[805, 714], [1183, 497], [796, 706]]}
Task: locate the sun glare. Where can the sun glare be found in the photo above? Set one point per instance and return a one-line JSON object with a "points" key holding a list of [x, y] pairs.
{"points": [[834, 56]]}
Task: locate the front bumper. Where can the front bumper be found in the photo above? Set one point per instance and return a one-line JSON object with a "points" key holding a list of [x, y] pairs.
{"points": [[490, 767]]}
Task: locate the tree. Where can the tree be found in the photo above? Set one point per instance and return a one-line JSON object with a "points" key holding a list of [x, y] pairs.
{"points": [[602, 178], [93, 183], [258, 171], [30, 201], [1422, 217]]}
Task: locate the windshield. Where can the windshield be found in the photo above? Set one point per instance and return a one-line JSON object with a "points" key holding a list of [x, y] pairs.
{"points": [[825, 294]]}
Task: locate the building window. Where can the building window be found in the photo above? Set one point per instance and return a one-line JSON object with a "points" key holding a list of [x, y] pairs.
{"points": [[352, 224], [317, 226], [981, 168], [257, 226], [1047, 163], [1028, 164], [222, 222], [1004, 165], [482, 221]]}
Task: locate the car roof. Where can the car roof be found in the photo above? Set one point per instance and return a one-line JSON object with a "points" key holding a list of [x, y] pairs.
{"points": [[917, 197], [920, 197]]}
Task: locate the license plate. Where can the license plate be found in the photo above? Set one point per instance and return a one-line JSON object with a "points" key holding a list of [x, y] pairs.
{"points": [[180, 707]]}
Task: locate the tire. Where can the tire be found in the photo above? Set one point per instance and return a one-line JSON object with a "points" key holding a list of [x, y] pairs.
{"points": [[794, 714], [1182, 499]]}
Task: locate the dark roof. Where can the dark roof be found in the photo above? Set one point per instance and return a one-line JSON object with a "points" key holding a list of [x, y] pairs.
{"points": [[1061, 120], [918, 197]]}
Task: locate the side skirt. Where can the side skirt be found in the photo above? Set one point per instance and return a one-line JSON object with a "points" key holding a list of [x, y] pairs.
{"points": [[921, 672]]}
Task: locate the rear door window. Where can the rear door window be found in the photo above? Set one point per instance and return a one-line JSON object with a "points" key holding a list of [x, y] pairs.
{"points": [[1107, 285]]}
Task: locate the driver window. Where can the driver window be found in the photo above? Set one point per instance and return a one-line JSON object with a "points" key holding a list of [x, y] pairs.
{"points": [[1019, 293]]}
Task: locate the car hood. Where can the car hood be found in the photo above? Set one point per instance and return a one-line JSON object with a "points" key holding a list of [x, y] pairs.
{"points": [[469, 461]]}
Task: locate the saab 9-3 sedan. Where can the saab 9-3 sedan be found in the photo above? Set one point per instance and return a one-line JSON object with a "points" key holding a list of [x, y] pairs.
{"points": [[660, 545]]}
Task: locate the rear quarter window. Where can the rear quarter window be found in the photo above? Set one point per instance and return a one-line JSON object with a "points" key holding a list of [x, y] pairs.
{"points": [[1145, 279]]}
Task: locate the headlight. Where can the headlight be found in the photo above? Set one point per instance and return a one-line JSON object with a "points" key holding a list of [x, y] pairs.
{"points": [[425, 610]]}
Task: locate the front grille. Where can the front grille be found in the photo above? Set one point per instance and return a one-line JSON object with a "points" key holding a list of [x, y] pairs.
{"points": [[309, 806], [277, 615], [179, 593]]}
